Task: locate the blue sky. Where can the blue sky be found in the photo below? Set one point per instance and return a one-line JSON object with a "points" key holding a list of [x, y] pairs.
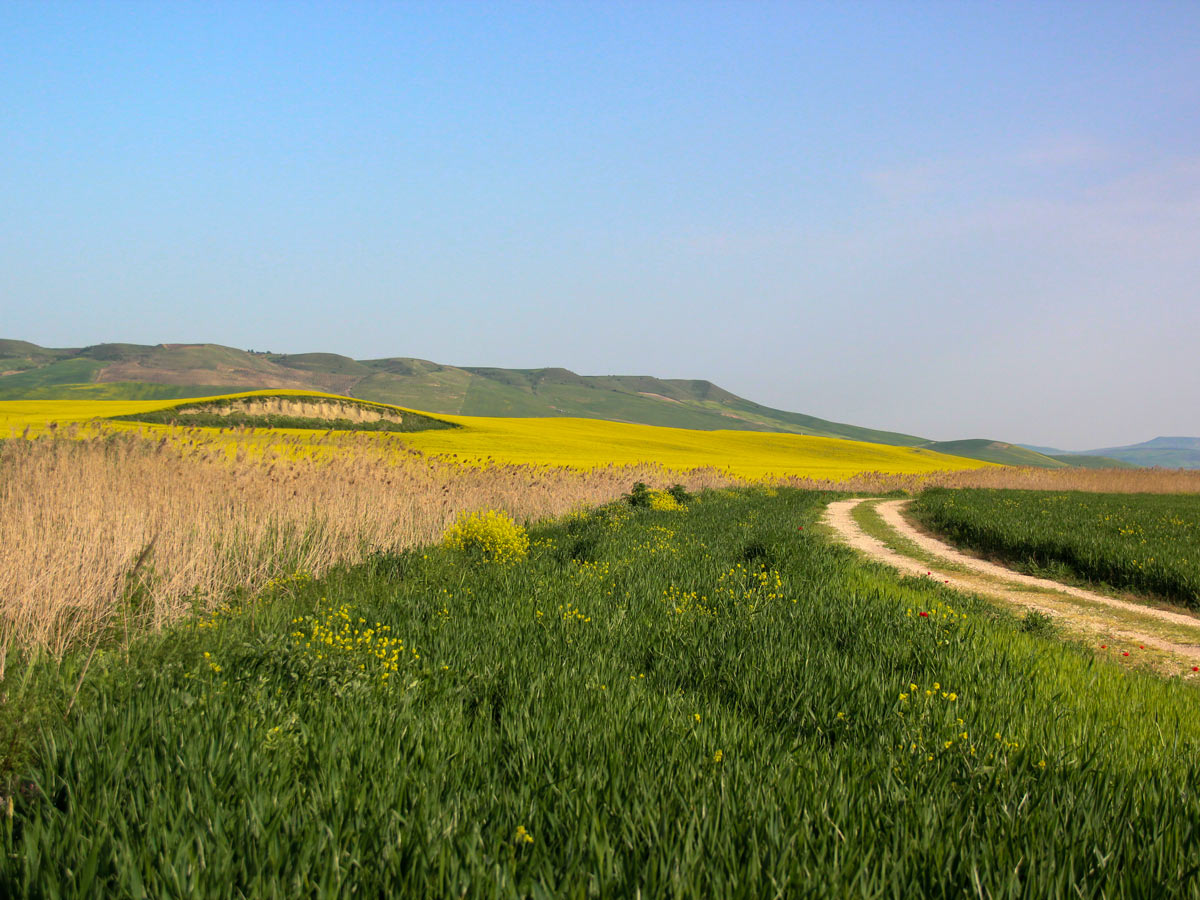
{"points": [[951, 219]]}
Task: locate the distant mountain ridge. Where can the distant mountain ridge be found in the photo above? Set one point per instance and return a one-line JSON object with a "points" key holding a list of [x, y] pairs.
{"points": [[1168, 452], [178, 371]]}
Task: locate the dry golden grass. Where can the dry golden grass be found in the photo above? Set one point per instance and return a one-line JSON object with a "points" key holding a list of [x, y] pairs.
{"points": [[1116, 481], [109, 535]]}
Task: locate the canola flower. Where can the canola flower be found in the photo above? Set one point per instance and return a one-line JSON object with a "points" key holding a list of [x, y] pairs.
{"points": [[335, 633], [661, 500], [492, 533], [594, 443], [741, 588], [571, 613], [934, 731], [568, 442], [661, 540], [590, 570]]}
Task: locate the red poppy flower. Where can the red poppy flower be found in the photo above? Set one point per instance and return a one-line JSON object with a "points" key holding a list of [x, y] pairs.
{"points": [[1126, 653], [1104, 646], [926, 615], [1196, 668]]}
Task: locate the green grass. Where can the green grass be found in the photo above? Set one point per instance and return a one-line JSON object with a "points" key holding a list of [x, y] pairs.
{"points": [[25, 385], [1148, 543], [115, 390], [996, 452], [439, 390], [866, 516], [328, 363], [1086, 461], [747, 739]]}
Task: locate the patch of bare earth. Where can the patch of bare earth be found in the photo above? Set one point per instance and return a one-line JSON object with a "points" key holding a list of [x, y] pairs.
{"points": [[658, 396], [1167, 640], [307, 409]]}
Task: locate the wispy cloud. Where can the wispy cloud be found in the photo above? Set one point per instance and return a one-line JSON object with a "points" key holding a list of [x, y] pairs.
{"points": [[1054, 156], [1066, 150], [1066, 189]]}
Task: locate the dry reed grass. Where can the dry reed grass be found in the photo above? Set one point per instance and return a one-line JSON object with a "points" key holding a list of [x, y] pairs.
{"points": [[1116, 481], [111, 536], [108, 536]]}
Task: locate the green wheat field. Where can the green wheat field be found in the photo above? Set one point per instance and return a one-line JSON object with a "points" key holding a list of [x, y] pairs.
{"points": [[694, 696], [1148, 543]]}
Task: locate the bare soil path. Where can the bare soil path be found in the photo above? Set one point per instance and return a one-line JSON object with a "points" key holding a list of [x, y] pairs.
{"points": [[1165, 639]]}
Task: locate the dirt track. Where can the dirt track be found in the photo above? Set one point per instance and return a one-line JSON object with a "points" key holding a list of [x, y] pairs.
{"points": [[1092, 616]]}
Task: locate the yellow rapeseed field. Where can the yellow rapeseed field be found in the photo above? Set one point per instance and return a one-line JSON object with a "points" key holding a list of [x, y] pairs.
{"points": [[36, 414], [17, 414], [575, 443], [589, 443]]}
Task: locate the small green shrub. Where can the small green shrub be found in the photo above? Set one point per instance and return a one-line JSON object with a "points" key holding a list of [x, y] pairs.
{"points": [[639, 496], [680, 493], [644, 497], [1037, 622]]}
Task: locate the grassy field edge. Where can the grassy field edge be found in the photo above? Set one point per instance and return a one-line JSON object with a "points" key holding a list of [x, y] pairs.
{"points": [[713, 700]]}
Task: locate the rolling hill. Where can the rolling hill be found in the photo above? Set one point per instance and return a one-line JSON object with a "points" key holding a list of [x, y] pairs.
{"points": [[1168, 452], [182, 371], [997, 452], [178, 371]]}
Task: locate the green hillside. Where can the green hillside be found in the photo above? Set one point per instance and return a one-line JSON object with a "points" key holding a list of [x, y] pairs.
{"points": [[997, 452], [1167, 458], [128, 371], [180, 371], [1168, 452], [47, 382], [18, 356], [1088, 461]]}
